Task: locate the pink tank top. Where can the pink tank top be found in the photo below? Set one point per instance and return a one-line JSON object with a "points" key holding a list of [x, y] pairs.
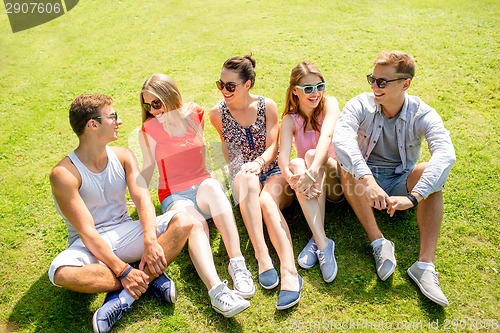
{"points": [[305, 140]]}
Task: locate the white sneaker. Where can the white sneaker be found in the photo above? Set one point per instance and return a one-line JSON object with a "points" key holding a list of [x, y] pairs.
{"points": [[242, 278], [427, 281], [385, 262], [226, 302]]}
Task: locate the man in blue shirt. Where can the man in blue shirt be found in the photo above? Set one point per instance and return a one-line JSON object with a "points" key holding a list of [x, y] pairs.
{"points": [[378, 144]]}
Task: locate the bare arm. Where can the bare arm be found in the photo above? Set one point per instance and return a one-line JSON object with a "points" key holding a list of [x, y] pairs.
{"points": [[286, 139], [332, 113], [65, 181], [153, 255], [148, 148], [272, 131], [216, 120]]}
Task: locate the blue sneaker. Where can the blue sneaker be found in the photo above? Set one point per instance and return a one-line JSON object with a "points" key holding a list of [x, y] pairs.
{"points": [[108, 314], [164, 288], [307, 257], [327, 262]]}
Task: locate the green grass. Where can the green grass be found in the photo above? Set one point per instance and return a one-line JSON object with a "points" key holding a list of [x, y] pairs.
{"points": [[112, 46]]}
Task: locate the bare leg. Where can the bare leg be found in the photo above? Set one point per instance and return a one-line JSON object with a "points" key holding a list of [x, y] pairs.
{"points": [[429, 217], [311, 207], [360, 205], [275, 196], [212, 200], [247, 191], [92, 279]]}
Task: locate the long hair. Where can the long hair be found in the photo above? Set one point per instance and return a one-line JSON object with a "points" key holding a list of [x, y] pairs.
{"points": [[292, 101], [165, 88]]}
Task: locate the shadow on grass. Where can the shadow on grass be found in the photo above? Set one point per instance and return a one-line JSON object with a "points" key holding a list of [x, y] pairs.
{"points": [[45, 308], [356, 281]]}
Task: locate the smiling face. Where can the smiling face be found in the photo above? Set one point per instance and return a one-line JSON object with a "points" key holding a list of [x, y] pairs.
{"points": [[153, 101], [308, 103], [108, 123], [392, 96], [242, 88]]}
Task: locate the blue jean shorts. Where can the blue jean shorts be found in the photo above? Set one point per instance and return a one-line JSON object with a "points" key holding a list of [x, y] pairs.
{"points": [[264, 176], [392, 183], [188, 196]]}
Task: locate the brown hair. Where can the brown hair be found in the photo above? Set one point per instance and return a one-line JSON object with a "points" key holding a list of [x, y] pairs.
{"points": [[85, 107], [292, 101], [244, 66]]}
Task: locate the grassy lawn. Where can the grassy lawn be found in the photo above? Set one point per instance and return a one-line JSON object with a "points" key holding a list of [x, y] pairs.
{"points": [[110, 47]]}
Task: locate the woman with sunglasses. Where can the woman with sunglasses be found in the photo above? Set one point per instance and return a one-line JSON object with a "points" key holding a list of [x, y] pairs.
{"points": [[308, 123], [248, 127], [172, 138]]}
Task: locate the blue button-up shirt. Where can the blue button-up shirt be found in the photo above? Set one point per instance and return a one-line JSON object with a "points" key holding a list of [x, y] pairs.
{"points": [[359, 128]]}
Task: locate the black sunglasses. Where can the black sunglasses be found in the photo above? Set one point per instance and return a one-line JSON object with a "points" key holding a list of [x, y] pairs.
{"points": [[381, 83], [113, 116], [156, 104], [230, 86]]}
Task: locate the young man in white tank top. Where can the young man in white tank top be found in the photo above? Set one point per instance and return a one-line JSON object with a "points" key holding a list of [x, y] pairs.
{"points": [[89, 187]]}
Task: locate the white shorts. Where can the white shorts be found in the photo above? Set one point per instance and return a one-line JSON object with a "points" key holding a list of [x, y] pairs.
{"points": [[126, 240]]}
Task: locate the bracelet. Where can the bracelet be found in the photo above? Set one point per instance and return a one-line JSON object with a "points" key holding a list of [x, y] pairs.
{"points": [[261, 161], [125, 273], [310, 176], [412, 199]]}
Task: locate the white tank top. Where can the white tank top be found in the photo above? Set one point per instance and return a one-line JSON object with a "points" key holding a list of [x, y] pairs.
{"points": [[103, 194]]}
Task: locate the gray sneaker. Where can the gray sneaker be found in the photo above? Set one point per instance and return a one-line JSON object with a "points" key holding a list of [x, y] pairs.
{"points": [[327, 262], [427, 281], [307, 257], [385, 262], [226, 302]]}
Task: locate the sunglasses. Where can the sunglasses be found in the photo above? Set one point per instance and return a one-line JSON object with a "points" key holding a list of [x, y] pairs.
{"points": [[308, 90], [230, 86], [382, 83], [113, 116], [156, 104]]}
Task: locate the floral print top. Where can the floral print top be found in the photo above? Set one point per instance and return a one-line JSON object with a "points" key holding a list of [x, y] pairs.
{"points": [[245, 144]]}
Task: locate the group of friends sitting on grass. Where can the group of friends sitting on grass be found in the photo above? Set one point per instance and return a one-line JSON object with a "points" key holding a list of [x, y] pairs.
{"points": [[368, 154]]}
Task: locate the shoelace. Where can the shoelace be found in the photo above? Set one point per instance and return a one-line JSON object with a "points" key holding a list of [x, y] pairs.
{"points": [[242, 276], [313, 248], [115, 313], [435, 277], [321, 257], [377, 254], [225, 297]]}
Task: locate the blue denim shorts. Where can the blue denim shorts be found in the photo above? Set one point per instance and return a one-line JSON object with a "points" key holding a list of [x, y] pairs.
{"points": [[264, 176], [392, 183], [188, 196]]}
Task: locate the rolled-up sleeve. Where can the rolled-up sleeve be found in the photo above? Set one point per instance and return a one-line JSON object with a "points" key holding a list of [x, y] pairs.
{"points": [[345, 140], [442, 153]]}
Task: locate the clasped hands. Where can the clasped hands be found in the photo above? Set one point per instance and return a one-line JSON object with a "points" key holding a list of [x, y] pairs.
{"points": [[380, 200], [136, 282], [304, 184]]}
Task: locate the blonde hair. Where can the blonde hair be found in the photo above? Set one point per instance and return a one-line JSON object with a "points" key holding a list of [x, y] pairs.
{"points": [[402, 61], [165, 88]]}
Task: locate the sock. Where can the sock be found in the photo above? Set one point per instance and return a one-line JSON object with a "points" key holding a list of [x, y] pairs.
{"points": [[237, 259], [210, 292], [377, 242], [126, 298], [426, 265]]}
